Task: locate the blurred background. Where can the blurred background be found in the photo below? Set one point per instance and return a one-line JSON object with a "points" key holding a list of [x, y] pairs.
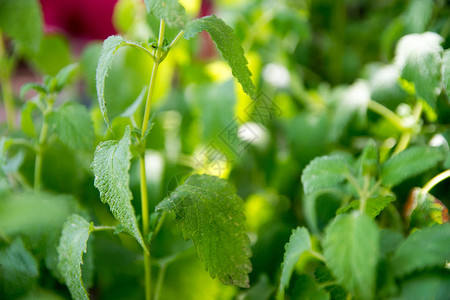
{"points": [[307, 59]]}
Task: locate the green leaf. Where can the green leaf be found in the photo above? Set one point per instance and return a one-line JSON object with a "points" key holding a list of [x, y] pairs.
{"points": [[369, 160], [26, 118], [111, 166], [323, 275], [110, 46], [72, 245], [262, 290], [374, 206], [425, 287], [228, 44], [418, 14], [446, 71], [73, 125], [32, 86], [427, 247], [419, 58], [409, 163], [21, 20], [170, 11], [209, 212], [323, 173], [18, 270], [54, 54], [65, 75], [305, 288], [299, 243], [351, 252]]}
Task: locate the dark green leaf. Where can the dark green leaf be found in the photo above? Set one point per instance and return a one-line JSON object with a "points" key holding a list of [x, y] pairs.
{"points": [[425, 287], [210, 213], [351, 251], [111, 166], [170, 11], [411, 162], [22, 21], [72, 245], [427, 247], [228, 44], [419, 58], [446, 71], [305, 288], [18, 270], [73, 125], [299, 243]]}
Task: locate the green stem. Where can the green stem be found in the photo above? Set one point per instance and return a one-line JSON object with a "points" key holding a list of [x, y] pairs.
{"points": [[176, 39], [159, 281], [41, 146], [387, 114], [435, 180], [317, 255], [143, 177]]}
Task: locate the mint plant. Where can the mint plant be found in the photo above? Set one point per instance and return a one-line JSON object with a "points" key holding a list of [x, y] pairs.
{"points": [[207, 209]]}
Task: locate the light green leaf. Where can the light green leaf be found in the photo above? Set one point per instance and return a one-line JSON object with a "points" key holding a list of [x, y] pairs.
{"points": [[18, 270], [299, 243], [26, 118], [411, 162], [73, 125], [111, 166], [323, 173], [64, 75], [368, 162], [419, 58], [54, 54], [351, 252], [72, 245], [446, 71], [427, 247], [170, 11], [32, 86], [209, 212], [110, 46], [374, 206], [228, 44], [21, 20], [418, 14]]}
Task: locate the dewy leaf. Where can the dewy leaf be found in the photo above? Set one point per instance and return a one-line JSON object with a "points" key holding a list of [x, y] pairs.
{"points": [[209, 212], [21, 20], [73, 125], [419, 58], [18, 270], [110, 166], [170, 11], [351, 252], [110, 46], [411, 162], [228, 44], [299, 243], [427, 247], [323, 173], [72, 245]]}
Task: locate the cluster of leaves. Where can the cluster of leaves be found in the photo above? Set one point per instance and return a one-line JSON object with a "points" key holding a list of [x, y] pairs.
{"points": [[341, 176]]}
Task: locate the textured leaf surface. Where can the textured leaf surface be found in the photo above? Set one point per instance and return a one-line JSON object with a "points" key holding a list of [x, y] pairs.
{"points": [[209, 212], [410, 162], [351, 251], [110, 46], [18, 270], [427, 247], [72, 245], [110, 166], [73, 125], [228, 44], [299, 243], [324, 172], [21, 20], [170, 11], [419, 58]]}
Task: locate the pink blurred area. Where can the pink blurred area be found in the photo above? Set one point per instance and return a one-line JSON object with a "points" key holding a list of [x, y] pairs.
{"points": [[79, 19]]}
